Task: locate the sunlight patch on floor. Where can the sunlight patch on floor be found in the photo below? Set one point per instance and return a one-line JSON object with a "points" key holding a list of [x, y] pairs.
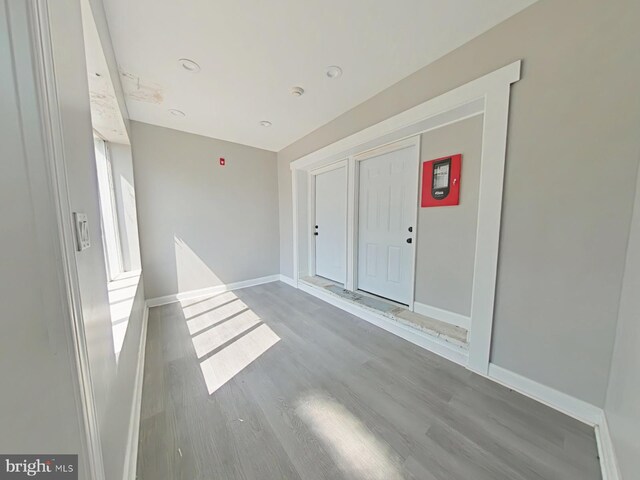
{"points": [[227, 334], [215, 316], [215, 337], [231, 360], [354, 448], [194, 307]]}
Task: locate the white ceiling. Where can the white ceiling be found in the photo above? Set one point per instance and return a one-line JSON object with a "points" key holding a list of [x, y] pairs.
{"points": [[253, 51], [106, 117]]}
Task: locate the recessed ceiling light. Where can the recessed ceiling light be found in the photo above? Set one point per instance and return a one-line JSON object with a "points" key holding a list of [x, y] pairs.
{"points": [[334, 71], [265, 123], [189, 65], [176, 113], [297, 91]]}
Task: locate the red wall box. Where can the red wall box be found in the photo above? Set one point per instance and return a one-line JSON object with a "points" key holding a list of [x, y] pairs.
{"points": [[441, 181]]}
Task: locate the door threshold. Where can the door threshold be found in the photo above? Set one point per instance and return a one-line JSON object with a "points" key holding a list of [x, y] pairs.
{"points": [[451, 334]]}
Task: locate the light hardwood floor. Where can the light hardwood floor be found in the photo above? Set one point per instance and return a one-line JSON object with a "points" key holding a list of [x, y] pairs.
{"points": [[271, 383]]}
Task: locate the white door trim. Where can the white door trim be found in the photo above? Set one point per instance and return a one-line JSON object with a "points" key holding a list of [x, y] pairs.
{"points": [[62, 229], [492, 91], [353, 221]]}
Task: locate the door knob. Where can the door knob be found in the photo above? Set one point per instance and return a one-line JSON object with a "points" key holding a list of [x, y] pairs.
{"points": [[409, 240]]}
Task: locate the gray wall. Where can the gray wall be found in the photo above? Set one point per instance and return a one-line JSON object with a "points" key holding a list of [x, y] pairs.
{"points": [[286, 216], [202, 224], [112, 382], [38, 411], [622, 407], [40, 408], [125, 197], [563, 238], [446, 239]]}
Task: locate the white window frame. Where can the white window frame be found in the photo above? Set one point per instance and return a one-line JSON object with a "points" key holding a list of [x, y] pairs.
{"points": [[108, 210]]}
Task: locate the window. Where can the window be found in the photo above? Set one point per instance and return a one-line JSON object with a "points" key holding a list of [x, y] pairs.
{"points": [[110, 236]]}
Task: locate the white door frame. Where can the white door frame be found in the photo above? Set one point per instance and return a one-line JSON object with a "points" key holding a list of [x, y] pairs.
{"points": [[492, 92], [312, 207], [50, 132], [352, 265]]}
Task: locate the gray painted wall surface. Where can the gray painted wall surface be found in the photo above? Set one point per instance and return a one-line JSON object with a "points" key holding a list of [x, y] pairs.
{"points": [[112, 382], [447, 235], [285, 209], [115, 422], [38, 411], [202, 224], [622, 407], [39, 404], [563, 244], [35, 345]]}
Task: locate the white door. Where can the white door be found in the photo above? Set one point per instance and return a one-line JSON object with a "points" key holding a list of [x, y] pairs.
{"points": [[331, 224], [386, 216]]}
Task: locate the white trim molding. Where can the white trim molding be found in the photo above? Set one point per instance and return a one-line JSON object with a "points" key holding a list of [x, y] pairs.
{"points": [[288, 280], [567, 404], [473, 90], [443, 315], [203, 292], [608, 460], [488, 95], [50, 130], [131, 454]]}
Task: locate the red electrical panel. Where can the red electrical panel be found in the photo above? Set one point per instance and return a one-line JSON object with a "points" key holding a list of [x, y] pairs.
{"points": [[441, 181]]}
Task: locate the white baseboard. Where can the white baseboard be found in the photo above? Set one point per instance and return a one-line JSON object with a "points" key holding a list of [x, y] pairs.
{"points": [[608, 459], [131, 454], [288, 280], [571, 406], [203, 292], [417, 337], [442, 315], [574, 407]]}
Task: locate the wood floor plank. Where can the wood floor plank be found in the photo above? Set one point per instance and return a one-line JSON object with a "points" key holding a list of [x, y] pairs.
{"points": [[305, 391]]}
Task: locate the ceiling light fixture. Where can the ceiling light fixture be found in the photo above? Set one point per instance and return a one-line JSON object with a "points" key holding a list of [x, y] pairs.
{"points": [[177, 113], [334, 71], [297, 91], [189, 65], [265, 123]]}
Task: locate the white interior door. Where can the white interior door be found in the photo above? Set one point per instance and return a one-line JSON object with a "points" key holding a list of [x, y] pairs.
{"points": [[386, 216], [331, 224]]}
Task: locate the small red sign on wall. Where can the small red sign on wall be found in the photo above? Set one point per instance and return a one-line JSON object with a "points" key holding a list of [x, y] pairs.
{"points": [[441, 181], [222, 162]]}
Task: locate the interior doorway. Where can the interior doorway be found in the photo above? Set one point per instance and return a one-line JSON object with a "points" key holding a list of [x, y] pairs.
{"points": [[387, 199], [487, 95], [330, 228]]}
